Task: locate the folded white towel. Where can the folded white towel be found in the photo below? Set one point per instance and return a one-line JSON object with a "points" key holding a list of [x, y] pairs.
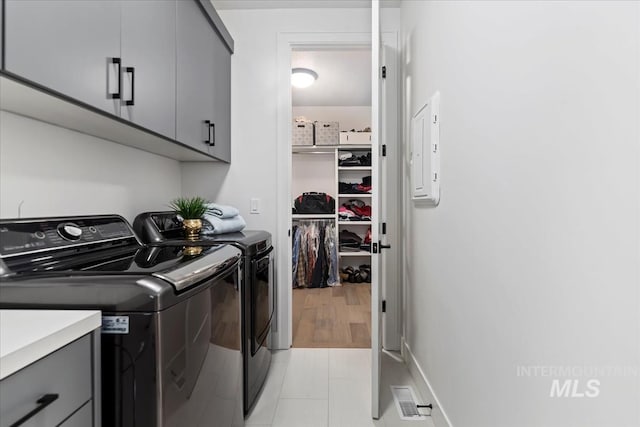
{"points": [[223, 211], [211, 224]]}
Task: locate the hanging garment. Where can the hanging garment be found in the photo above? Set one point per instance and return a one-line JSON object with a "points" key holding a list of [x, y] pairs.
{"points": [[295, 254], [315, 255], [331, 252]]}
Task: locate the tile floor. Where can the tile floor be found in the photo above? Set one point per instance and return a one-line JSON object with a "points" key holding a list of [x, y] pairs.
{"points": [[323, 387]]}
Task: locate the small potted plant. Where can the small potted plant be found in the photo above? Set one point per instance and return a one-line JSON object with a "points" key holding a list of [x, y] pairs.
{"points": [[191, 209]]}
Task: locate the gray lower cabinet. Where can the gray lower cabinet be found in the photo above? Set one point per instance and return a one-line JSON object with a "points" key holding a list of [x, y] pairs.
{"points": [[62, 385], [82, 418], [65, 46], [149, 65], [204, 83]]}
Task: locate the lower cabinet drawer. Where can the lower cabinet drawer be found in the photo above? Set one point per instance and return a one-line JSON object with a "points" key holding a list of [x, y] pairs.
{"points": [[65, 373], [82, 418]]}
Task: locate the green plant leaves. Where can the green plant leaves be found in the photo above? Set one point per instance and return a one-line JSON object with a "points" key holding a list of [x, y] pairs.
{"points": [[190, 207]]}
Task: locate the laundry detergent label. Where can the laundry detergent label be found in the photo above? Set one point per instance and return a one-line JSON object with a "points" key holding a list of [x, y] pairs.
{"points": [[115, 324]]}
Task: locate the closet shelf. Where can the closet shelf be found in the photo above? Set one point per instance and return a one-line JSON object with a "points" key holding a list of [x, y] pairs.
{"points": [[354, 168], [313, 149], [358, 253], [355, 195], [313, 216], [354, 222]]}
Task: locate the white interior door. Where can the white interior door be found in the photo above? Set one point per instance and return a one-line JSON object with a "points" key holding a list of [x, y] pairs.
{"points": [[376, 264], [390, 199]]}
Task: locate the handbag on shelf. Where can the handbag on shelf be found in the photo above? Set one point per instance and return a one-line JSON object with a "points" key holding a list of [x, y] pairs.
{"points": [[314, 203]]}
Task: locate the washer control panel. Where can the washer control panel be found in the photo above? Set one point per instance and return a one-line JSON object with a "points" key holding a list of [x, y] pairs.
{"points": [[21, 236]]}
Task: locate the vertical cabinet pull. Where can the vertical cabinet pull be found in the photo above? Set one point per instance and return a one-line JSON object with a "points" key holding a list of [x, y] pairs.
{"points": [[42, 403], [132, 72], [116, 62], [212, 134], [207, 124]]}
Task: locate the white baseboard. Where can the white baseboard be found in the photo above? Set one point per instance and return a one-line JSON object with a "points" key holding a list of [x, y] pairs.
{"points": [[438, 415]]}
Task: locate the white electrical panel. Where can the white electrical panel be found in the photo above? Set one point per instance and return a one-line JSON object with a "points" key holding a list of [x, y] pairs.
{"points": [[425, 152]]}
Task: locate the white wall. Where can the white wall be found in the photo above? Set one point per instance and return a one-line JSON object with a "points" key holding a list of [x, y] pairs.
{"points": [[252, 172], [313, 172], [55, 171], [532, 256]]}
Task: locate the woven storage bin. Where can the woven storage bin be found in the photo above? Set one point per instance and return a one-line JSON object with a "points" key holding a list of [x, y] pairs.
{"points": [[327, 133], [302, 133]]}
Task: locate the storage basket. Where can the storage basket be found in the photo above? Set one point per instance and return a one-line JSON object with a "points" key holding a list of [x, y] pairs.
{"points": [[302, 133], [327, 133]]}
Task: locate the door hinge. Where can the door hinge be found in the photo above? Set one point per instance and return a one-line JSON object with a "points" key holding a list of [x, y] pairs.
{"points": [[384, 228], [384, 71], [374, 248], [384, 306], [384, 150]]}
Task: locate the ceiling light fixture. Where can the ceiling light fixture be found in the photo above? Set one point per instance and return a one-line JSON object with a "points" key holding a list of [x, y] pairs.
{"points": [[303, 77]]}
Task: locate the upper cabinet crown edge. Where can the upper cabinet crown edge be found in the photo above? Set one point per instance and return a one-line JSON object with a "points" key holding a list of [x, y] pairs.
{"points": [[217, 23]]}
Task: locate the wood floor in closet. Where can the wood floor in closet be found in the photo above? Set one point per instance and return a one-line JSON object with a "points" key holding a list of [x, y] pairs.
{"points": [[336, 317]]}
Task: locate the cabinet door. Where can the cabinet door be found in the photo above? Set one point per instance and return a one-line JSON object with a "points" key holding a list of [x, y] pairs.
{"points": [[195, 74], [65, 46], [149, 48], [222, 101]]}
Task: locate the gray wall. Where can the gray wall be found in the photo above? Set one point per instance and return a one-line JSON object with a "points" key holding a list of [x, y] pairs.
{"points": [[532, 256]]}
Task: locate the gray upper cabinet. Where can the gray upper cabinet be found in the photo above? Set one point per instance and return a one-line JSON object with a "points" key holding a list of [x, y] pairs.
{"points": [[204, 83], [65, 46], [159, 68], [149, 64], [222, 101], [195, 68]]}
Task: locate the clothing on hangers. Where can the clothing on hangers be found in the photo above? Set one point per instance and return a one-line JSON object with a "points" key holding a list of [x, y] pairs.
{"points": [[314, 255]]}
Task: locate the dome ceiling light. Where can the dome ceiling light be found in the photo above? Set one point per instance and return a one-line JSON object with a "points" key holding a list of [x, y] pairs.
{"points": [[303, 77]]}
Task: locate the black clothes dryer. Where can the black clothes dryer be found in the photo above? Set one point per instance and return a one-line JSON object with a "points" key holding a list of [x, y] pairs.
{"points": [[257, 273]]}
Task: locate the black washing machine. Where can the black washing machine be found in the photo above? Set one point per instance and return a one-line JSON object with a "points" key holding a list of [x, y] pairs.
{"points": [[171, 337], [257, 273]]}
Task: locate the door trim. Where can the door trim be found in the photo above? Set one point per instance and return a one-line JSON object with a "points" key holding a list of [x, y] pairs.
{"points": [[287, 42]]}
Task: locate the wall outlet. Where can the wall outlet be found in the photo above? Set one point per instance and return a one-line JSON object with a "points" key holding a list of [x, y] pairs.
{"points": [[255, 206]]}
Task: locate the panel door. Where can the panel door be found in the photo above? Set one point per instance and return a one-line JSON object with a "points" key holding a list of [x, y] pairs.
{"points": [[195, 76], [149, 64], [65, 46], [390, 200], [222, 101]]}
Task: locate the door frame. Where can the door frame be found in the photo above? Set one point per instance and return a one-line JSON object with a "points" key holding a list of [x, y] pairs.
{"points": [[282, 328], [287, 42]]}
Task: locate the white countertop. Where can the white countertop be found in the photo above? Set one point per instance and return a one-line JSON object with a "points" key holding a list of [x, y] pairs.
{"points": [[29, 335]]}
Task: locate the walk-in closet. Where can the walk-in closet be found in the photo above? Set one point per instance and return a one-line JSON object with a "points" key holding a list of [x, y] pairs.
{"points": [[331, 182]]}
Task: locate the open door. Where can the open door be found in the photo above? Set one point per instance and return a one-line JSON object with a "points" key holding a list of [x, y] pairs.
{"points": [[376, 264]]}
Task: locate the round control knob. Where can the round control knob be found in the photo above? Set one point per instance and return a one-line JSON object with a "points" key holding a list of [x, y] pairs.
{"points": [[69, 231], [39, 235]]}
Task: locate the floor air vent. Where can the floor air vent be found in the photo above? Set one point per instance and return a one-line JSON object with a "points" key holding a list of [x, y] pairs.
{"points": [[406, 403]]}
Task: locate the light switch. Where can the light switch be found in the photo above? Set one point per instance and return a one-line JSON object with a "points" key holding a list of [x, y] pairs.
{"points": [[255, 206]]}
